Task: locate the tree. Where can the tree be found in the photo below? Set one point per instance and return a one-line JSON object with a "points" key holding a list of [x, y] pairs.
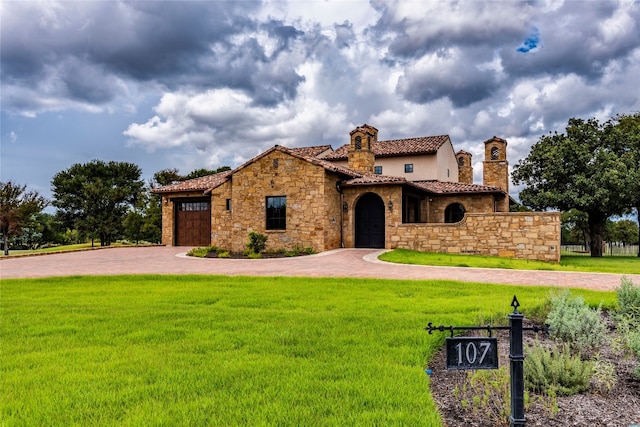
{"points": [[589, 168], [575, 227], [94, 197], [17, 207], [625, 231], [626, 133]]}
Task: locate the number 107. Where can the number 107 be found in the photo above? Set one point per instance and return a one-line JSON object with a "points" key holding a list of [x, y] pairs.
{"points": [[467, 353]]}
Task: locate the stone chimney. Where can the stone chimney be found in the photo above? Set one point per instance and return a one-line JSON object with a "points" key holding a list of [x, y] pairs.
{"points": [[360, 154], [496, 169], [465, 168]]}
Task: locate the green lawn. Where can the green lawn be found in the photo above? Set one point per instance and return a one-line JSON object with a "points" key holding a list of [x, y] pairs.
{"points": [[207, 350], [617, 264]]}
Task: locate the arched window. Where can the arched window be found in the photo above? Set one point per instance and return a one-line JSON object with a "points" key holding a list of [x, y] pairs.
{"points": [[460, 161], [494, 153], [358, 143], [454, 213]]}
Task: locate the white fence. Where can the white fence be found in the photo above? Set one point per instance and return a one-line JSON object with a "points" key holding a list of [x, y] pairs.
{"points": [[610, 249]]}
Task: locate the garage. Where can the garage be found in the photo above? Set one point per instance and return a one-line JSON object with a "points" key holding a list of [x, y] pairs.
{"points": [[192, 222]]}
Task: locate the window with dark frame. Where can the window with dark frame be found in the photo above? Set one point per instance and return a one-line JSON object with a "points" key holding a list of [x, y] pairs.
{"points": [[408, 168], [276, 212], [228, 204], [377, 170], [358, 143], [193, 206]]}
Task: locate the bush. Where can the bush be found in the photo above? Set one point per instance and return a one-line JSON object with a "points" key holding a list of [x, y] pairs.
{"points": [[573, 321], [201, 252], [628, 299], [556, 372], [257, 242], [487, 392], [604, 377]]}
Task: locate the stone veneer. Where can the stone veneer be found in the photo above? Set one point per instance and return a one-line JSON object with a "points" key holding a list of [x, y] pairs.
{"points": [[313, 205], [527, 235]]}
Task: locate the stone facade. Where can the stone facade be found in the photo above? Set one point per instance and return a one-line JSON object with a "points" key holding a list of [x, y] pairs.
{"points": [[496, 168], [312, 205], [361, 157], [465, 167], [529, 235], [324, 200]]}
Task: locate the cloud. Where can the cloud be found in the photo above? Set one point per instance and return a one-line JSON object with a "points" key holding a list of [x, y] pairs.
{"points": [[230, 79], [98, 52], [225, 126]]}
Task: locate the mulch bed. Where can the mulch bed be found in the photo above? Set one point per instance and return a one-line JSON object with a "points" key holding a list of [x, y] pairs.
{"points": [[266, 255], [619, 407]]}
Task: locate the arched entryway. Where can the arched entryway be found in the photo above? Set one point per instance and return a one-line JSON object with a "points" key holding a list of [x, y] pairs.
{"points": [[369, 222]]}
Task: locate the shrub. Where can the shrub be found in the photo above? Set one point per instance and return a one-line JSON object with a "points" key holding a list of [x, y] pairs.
{"points": [[556, 372], [201, 252], [573, 321], [604, 376], [487, 392], [257, 242], [628, 299]]}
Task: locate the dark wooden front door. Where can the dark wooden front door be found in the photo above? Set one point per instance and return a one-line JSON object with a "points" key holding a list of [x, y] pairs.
{"points": [[193, 223], [370, 222]]}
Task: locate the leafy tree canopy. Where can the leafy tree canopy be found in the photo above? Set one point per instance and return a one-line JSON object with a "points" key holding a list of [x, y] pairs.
{"points": [[94, 197], [17, 207], [592, 167]]}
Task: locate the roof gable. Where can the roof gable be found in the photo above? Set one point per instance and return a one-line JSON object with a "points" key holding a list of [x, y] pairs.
{"points": [[207, 183]]}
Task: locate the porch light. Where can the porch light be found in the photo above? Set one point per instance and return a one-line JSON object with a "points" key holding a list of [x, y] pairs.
{"points": [[390, 205]]}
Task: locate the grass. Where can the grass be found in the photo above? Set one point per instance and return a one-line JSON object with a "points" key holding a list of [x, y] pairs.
{"points": [[209, 350], [618, 264]]}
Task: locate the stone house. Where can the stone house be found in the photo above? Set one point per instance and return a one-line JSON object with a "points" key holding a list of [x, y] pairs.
{"points": [[414, 193]]}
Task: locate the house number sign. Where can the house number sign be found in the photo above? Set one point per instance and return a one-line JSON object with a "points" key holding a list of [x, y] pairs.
{"points": [[482, 353], [472, 353]]}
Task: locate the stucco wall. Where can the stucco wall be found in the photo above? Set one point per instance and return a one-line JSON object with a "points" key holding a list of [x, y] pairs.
{"points": [[527, 235]]}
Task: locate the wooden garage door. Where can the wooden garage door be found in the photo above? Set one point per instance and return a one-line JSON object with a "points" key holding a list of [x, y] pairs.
{"points": [[193, 223]]}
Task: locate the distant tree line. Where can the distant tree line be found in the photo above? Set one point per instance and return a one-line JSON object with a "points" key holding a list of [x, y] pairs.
{"points": [[96, 201], [575, 230]]}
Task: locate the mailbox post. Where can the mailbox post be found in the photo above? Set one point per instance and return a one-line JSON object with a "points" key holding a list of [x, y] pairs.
{"points": [[516, 359], [482, 353]]}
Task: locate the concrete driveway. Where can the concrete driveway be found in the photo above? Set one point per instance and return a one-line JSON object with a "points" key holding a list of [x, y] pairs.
{"points": [[335, 263]]}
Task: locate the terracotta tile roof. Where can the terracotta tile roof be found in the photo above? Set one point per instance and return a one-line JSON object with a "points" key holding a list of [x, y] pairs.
{"points": [[397, 147], [204, 184], [313, 151], [374, 179], [318, 161], [353, 178], [440, 187]]}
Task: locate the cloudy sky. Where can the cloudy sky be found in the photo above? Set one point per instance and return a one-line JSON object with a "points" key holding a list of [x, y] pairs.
{"points": [[204, 84]]}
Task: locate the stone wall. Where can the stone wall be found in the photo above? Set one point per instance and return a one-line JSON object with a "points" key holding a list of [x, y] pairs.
{"points": [[527, 235], [313, 204], [472, 204], [221, 217]]}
